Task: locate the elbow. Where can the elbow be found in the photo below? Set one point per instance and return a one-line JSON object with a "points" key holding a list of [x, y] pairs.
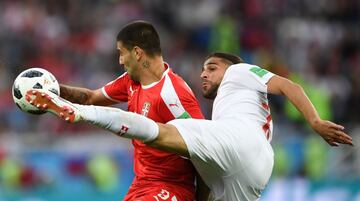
{"points": [[296, 88], [85, 98]]}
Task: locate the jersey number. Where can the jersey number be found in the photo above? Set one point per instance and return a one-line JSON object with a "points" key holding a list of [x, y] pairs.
{"points": [[164, 195]]}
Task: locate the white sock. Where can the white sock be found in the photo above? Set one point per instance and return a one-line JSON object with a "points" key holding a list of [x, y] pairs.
{"points": [[122, 123]]}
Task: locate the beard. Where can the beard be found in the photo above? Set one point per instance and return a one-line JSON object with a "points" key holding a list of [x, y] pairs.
{"points": [[211, 92], [132, 73]]}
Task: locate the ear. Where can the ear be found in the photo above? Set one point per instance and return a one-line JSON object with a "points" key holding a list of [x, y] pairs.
{"points": [[138, 52]]}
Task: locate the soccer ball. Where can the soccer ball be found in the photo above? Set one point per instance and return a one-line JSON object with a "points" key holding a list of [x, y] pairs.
{"points": [[33, 78]]}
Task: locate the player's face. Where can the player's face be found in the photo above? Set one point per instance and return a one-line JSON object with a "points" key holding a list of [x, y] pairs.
{"points": [[128, 60], [212, 75]]}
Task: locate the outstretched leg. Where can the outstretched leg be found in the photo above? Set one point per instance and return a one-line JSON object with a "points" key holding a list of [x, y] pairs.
{"points": [[124, 124], [169, 139]]}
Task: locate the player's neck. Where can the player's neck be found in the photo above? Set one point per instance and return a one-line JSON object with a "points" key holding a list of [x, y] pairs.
{"points": [[153, 72]]}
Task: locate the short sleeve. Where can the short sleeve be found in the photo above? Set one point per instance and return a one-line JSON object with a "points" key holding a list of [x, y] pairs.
{"points": [[117, 90], [248, 76]]}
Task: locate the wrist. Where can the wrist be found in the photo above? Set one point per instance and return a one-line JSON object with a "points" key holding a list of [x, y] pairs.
{"points": [[314, 121]]}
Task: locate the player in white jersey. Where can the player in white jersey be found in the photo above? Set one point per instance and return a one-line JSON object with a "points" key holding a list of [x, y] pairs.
{"points": [[231, 152]]}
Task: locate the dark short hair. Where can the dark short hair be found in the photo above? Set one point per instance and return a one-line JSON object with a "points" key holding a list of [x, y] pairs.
{"points": [[141, 34], [231, 58]]}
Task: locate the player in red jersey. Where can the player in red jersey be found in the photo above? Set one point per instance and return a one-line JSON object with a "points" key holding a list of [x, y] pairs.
{"points": [[150, 88]]}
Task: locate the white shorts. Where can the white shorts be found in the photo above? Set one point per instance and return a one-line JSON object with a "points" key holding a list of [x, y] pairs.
{"points": [[234, 158]]}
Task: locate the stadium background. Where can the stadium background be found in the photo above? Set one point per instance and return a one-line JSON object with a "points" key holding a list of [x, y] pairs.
{"points": [[315, 43]]}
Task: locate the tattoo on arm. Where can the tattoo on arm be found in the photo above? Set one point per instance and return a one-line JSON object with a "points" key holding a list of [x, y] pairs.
{"points": [[74, 94]]}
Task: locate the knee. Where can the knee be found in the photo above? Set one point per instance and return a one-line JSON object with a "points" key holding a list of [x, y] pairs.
{"points": [[164, 136], [169, 139]]}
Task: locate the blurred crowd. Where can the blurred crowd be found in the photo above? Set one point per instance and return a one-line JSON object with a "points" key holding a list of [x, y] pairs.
{"points": [[315, 43]]}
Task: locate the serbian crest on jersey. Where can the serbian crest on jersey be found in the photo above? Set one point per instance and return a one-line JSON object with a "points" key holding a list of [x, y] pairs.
{"points": [[145, 109]]}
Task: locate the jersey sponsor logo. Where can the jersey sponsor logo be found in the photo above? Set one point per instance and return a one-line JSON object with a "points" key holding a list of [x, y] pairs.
{"points": [[132, 91], [123, 130], [174, 104], [259, 71], [145, 109]]}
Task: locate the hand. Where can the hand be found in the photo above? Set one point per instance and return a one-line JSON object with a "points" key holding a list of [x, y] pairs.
{"points": [[332, 133]]}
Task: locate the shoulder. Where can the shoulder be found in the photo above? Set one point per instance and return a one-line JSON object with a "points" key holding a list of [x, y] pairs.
{"points": [[237, 71], [245, 69], [240, 67], [178, 83], [173, 79], [247, 76], [175, 87]]}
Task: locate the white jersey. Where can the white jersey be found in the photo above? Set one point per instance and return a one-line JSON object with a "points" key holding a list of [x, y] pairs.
{"points": [[232, 152], [242, 94]]}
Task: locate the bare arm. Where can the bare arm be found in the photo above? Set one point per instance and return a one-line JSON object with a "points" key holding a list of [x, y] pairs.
{"points": [[332, 133], [84, 96]]}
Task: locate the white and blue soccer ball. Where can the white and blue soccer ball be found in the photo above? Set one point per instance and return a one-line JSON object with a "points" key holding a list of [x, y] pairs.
{"points": [[33, 78]]}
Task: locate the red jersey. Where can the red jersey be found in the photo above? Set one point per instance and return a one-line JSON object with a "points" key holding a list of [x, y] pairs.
{"points": [[162, 101]]}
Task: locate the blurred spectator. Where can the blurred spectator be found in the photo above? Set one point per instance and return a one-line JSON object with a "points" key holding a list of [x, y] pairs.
{"points": [[103, 172], [16, 175], [224, 36]]}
